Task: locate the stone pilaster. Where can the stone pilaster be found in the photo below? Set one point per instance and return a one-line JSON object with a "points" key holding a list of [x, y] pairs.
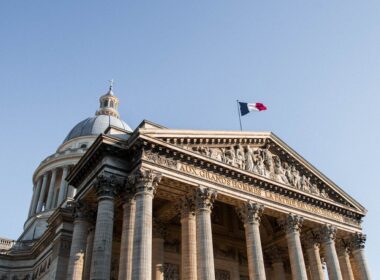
{"points": [[251, 215], [79, 242], [36, 195], [278, 271], [63, 186], [106, 187], [146, 182], [158, 250], [359, 255], [49, 200], [328, 235], [88, 255], [126, 246], [205, 198], [188, 239], [343, 251], [40, 203], [312, 245], [292, 226]]}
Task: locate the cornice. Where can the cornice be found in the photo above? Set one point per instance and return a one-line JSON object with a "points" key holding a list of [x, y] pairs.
{"points": [[103, 145]]}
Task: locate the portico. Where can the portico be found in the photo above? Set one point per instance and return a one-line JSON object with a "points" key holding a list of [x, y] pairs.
{"points": [[217, 219]]}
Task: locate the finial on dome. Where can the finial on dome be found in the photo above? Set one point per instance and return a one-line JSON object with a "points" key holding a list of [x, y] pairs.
{"points": [[108, 103], [111, 85]]}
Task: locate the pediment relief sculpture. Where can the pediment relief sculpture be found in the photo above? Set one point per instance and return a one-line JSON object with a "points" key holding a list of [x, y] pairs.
{"points": [[263, 162]]}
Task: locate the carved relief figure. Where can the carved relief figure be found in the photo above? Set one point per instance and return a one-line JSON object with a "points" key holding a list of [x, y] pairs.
{"points": [[249, 161], [229, 156], [262, 162], [240, 157]]}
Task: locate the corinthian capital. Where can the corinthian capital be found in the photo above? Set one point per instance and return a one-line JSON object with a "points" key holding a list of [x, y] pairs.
{"points": [[359, 241], [311, 239], [107, 185], [81, 211], [292, 223], [251, 212], [328, 233], [145, 181], [187, 206], [204, 198]]}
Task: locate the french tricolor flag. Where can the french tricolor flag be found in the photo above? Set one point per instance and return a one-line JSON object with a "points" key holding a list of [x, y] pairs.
{"points": [[245, 108]]}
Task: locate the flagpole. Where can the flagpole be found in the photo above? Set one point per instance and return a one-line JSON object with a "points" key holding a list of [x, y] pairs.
{"points": [[238, 110]]}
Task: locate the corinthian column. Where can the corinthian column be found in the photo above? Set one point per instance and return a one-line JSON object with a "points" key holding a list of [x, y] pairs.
{"points": [[158, 250], [343, 250], [359, 256], [146, 182], [88, 256], [205, 198], [312, 245], [42, 194], [78, 243], [106, 189], [36, 194], [332, 262], [188, 240], [63, 186], [251, 214], [277, 263], [293, 224], [126, 246], [51, 189]]}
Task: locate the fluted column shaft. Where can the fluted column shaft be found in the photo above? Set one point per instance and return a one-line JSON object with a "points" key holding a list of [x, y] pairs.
{"points": [[251, 215], [158, 254], [102, 250], [146, 183], [205, 254], [293, 226], [42, 194], [36, 194], [316, 268], [88, 256], [49, 200], [359, 256], [345, 263], [78, 245], [63, 186], [126, 246], [278, 271], [312, 245], [188, 240], [332, 261]]}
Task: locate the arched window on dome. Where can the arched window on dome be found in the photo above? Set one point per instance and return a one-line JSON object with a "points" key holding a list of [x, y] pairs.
{"points": [[105, 103], [111, 103]]}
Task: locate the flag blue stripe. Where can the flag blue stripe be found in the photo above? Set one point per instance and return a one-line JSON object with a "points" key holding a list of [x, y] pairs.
{"points": [[243, 108]]}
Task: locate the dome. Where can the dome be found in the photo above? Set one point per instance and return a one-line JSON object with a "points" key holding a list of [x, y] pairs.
{"points": [[105, 116], [95, 126]]}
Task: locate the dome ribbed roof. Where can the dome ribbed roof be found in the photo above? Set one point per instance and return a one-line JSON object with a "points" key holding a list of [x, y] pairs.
{"points": [[106, 115], [95, 126]]}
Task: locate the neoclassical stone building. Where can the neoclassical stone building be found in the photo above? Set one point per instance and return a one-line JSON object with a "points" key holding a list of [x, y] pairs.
{"points": [[157, 203]]}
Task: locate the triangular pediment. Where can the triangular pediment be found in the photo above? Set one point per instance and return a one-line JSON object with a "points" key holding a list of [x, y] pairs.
{"points": [[261, 154]]}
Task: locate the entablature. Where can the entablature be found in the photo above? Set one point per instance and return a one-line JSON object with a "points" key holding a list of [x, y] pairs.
{"points": [[186, 161]]}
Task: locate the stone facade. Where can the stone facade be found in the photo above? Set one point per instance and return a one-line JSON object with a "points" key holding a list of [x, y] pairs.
{"points": [[160, 204]]}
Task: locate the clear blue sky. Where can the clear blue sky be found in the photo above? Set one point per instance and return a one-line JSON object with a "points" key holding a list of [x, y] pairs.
{"points": [[182, 64]]}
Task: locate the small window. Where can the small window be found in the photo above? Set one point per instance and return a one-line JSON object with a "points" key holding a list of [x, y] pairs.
{"points": [[83, 146], [111, 103]]}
